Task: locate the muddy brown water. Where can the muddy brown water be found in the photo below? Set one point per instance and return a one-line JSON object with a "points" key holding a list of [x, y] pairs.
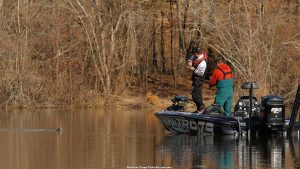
{"points": [[127, 138]]}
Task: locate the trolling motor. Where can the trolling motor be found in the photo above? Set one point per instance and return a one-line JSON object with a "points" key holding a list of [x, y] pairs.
{"points": [[179, 103]]}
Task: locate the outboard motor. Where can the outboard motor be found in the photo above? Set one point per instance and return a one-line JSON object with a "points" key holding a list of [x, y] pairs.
{"points": [[272, 112]]}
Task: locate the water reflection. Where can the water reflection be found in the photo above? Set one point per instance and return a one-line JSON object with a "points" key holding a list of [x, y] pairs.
{"points": [[110, 138], [118, 138], [197, 152], [231, 152]]}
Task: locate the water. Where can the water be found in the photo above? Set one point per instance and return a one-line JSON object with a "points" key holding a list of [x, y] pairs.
{"points": [[131, 138]]}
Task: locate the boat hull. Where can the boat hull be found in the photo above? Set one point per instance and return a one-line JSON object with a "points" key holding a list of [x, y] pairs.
{"points": [[192, 123]]}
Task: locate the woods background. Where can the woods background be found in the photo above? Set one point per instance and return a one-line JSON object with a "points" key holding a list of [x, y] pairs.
{"points": [[82, 52]]}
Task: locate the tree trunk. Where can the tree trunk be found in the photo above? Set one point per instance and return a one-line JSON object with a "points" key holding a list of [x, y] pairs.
{"points": [[186, 8], [297, 4], [187, 2], [154, 57], [212, 8], [18, 43], [162, 43], [139, 59], [181, 37], [56, 34], [147, 67], [172, 55], [1, 6]]}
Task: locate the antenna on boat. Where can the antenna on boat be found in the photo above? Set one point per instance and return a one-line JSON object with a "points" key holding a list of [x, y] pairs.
{"points": [[295, 111]]}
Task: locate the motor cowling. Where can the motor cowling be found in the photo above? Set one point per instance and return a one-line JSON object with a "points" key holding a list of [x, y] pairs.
{"points": [[272, 112]]}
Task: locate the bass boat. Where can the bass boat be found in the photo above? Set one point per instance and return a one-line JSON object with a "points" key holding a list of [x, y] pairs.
{"points": [[249, 115]]}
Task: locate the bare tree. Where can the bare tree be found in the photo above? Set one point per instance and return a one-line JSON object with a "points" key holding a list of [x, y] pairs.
{"points": [[162, 44], [154, 59], [250, 44], [77, 52], [181, 36], [171, 45]]}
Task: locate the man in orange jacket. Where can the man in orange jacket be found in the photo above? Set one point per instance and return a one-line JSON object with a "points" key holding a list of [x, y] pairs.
{"points": [[222, 78]]}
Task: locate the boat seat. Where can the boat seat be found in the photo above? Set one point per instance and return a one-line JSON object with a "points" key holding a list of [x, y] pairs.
{"points": [[247, 85], [214, 109]]}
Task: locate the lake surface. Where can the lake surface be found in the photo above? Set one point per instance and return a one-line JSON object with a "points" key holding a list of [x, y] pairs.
{"points": [[127, 138]]}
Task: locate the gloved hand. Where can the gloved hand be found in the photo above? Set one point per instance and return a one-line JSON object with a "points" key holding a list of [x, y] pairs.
{"points": [[192, 68]]}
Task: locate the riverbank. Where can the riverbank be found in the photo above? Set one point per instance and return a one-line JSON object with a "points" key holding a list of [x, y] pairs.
{"points": [[156, 94], [160, 91]]}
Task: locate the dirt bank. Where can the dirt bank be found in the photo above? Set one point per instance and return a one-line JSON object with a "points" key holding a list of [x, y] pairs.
{"points": [[160, 91]]}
